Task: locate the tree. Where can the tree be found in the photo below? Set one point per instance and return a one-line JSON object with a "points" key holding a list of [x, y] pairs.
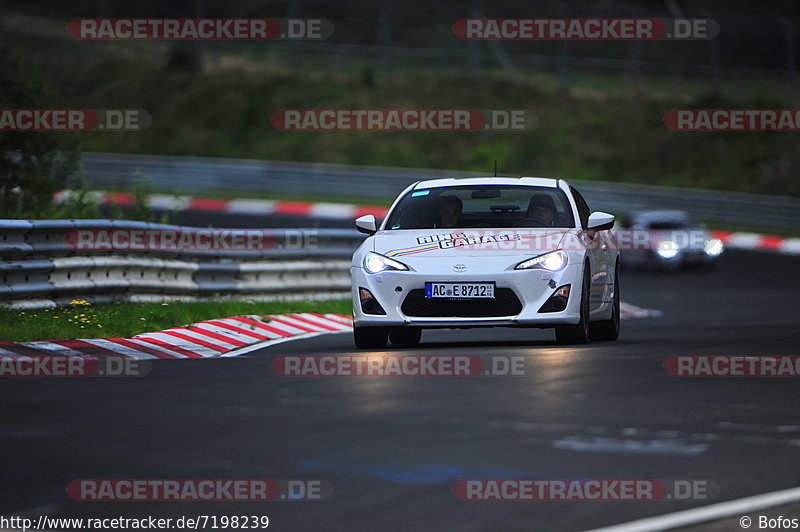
{"points": [[33, 164]]}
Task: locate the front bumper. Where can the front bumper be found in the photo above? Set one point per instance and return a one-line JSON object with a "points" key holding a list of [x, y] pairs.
{"points": [[686, 257], [531, 287]]}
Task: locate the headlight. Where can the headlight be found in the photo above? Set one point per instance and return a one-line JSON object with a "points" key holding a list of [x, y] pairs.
{"points": [[714, 247], [553, 261], [667, 249], [376, 263]]}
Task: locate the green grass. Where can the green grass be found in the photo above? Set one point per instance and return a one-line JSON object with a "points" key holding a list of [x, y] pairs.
{"points": [[605, 129], [124, 320]]}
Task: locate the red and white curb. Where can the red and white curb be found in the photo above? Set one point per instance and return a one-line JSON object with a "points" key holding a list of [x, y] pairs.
{"points": [[755, 241], [205, 339], [225, 337], [258, 207]]}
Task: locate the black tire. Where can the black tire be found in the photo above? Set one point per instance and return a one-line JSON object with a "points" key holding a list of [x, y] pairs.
{"points": [[608, 330], [370, 337], [578, 333], [405, 335]]}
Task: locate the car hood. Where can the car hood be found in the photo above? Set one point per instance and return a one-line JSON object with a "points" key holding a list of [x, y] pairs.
{"points": [[410, 245]]}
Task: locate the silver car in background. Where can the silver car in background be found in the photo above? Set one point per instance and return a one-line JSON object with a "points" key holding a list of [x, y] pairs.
{"points": [[673, 241]]}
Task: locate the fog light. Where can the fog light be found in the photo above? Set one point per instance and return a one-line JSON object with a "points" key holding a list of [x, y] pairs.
{"points": [[369, 305], [558, 301]]}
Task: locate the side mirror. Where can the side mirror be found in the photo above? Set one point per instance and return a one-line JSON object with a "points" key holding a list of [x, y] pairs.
{"points": [[366, 224], [600, 221]]}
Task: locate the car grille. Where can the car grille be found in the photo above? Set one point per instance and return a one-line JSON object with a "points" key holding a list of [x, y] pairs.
{"points": [[505, 303], [694, 254]]}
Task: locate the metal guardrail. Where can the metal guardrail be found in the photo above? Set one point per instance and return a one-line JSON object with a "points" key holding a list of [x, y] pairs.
{"points": [[39, 266], [198, 175]]}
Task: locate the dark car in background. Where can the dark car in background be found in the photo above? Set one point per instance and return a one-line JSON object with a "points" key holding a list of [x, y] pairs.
{"points": [[672, 240]]}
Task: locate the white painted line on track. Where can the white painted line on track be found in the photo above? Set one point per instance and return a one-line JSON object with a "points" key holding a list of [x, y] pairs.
{"points": [[713, 512], [587, 444]]}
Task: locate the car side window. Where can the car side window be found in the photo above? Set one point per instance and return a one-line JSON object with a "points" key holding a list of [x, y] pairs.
{"points": [[583, 207]]}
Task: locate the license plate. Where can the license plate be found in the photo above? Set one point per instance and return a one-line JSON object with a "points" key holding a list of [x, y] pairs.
{"points": [[460, 290]]}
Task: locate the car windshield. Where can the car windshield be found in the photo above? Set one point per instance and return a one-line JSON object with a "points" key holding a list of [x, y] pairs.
{"points": [[471, 206]]}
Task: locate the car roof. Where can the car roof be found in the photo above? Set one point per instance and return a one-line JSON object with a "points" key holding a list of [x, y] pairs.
{"points": [[466, 181]]}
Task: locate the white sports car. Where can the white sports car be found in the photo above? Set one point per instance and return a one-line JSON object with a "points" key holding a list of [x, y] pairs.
{"points": [[486, 252]]}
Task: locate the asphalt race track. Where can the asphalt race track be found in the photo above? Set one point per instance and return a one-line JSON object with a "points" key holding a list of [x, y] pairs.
{"points": [[393, 447]]}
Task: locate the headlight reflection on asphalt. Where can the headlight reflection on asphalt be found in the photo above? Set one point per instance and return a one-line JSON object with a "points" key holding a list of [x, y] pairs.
{"points": [[376, 390], [552, 377]]}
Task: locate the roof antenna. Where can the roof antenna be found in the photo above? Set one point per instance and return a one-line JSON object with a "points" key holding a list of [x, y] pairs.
{"points": [[495, 167]]}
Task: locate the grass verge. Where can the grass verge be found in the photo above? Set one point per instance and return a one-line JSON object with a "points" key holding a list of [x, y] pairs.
{"points": [[123, 320], [616, 134]]}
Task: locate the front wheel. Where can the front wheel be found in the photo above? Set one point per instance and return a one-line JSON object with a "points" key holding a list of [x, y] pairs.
{"points": [[608, 330], [578, 333], [370, 337]]}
